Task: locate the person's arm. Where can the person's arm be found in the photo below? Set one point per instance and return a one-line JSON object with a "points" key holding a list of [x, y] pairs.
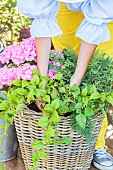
{"points": [[43, 46], [44, 26], [85, 54], [93, 31]]}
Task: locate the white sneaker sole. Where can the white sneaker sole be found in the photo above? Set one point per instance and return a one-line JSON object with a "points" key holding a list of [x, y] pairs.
{"points": [[102, 167]]}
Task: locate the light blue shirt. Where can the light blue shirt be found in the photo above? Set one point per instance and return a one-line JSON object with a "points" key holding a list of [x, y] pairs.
{"points": [[93, 28]]}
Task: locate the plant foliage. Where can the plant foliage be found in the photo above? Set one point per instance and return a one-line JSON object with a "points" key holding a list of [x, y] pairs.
{"points": [[82, 104], [11, 22]]}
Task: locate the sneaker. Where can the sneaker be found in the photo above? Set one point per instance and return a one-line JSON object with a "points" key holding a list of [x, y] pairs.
{"points": [[102, 159]]}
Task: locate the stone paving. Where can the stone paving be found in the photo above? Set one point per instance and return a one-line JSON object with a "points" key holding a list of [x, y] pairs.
{"points": [[17, 163]]}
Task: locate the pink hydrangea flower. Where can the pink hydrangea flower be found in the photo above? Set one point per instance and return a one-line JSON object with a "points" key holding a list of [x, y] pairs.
{"points": [[51, 73], [57, 53], [23, 60], [17, 55], [55, 63]]}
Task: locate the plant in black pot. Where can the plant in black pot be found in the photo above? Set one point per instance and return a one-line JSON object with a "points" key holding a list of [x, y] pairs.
{"points": [[64, 133]]}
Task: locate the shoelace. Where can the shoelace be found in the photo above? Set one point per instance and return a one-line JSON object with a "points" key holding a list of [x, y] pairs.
{"points": [[101, 153]]}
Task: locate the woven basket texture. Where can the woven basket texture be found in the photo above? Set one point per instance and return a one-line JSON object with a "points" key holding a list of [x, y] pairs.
{"points": [[75, 156]]}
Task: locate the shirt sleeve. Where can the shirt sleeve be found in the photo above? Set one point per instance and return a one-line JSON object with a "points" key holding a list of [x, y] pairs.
{"points": [[97, 14], [44, 14]]}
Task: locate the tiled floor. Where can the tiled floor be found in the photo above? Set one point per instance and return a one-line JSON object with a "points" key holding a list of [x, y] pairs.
{"points": [[17, 163]]}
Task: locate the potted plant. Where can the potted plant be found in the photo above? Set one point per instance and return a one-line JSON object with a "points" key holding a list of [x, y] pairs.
{"points": [[9, 142], [64, 133]]}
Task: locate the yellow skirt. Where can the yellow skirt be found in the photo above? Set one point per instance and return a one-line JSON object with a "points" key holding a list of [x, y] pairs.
{"points": [[69, 22]]}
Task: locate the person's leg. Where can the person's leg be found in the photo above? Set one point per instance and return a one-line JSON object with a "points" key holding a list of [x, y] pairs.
{"points": [[66, 18]]}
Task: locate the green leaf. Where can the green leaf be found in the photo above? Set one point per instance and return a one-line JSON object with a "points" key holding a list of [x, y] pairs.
{"points": [[50, 131], [37, 93], [12, 112], [57, 142], [109, 99], [48, 107], [10, 97], [20, 107], [56, 84], [4, 105], [103, 96], [58, 76], [36, 72], [46, 98], [19, 99], [55, 103], [78, 106], [42, 92], [35, 80], [2, 127], [54, 96], [63, 109], [62, 90], [75, 93], [72, 107], [85, 101], [31, 168], [21, 91], [43, 122], [74, 87], [2, 167], [84, 92], [94, 95], [35, 158], [88, 111], [92, 89], [30, 97], [47, 140], [42, 85], [78, 129], [32, 87], [42, 154], [25, 83], [16, 82], [66, 140], [55, 117], [37, 145], [81, 120]]}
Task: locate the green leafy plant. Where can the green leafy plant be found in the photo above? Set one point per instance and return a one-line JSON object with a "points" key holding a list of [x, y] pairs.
{"points": [[81, 104], [11, 22], [99, 72]]}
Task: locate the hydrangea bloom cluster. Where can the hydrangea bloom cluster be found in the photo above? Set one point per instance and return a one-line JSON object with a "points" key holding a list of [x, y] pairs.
{"points": [[51, 73], [55, 63], [23, 60], [17, 55], [11, 73], [57, 53]]}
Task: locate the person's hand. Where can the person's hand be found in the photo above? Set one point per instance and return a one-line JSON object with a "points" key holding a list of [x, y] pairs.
{"points": [[73, 81], [40, 104]]}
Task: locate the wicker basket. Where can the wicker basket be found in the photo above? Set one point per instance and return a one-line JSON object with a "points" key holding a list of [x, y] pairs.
{"points": [[78, 155]]}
